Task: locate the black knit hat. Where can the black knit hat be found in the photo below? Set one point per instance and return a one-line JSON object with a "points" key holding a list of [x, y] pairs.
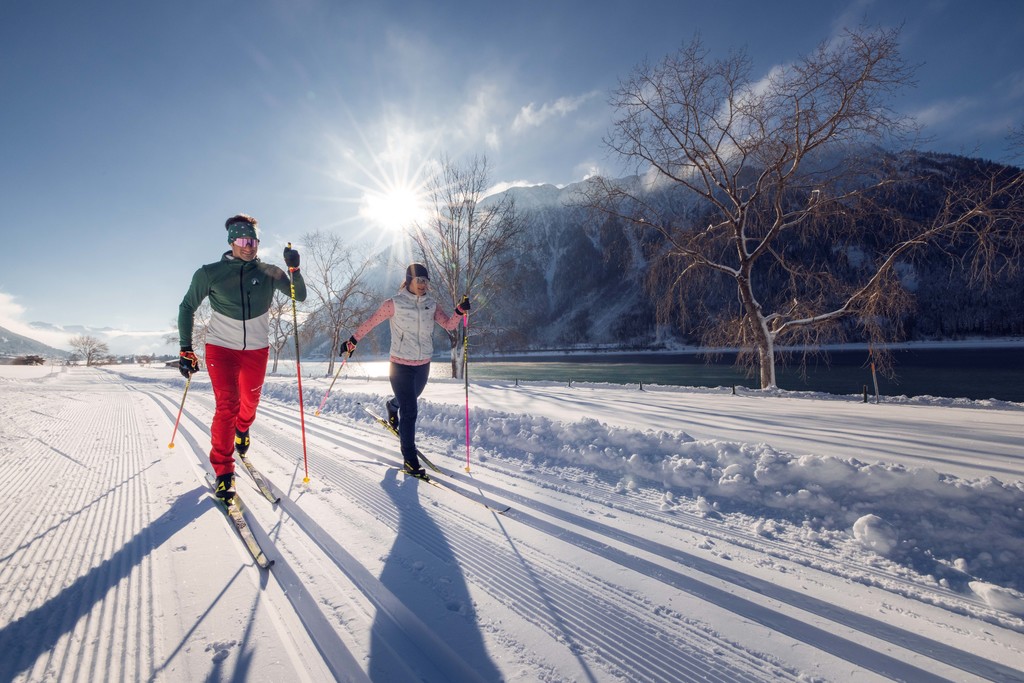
{"points": [[415, 270]]}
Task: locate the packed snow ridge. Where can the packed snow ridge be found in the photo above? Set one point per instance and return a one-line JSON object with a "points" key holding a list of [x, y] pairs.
{"points": [[965, 534]]}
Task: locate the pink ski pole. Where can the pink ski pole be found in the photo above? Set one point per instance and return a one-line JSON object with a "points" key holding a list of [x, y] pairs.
{"points": [[328, 392], [465, 372]]}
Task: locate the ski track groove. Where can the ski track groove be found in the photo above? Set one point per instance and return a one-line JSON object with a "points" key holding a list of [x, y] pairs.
{"points": [[101, 597], [594, 616], [892, 666], [587, 632], [621, 643], [645, 502], [43, 557]]}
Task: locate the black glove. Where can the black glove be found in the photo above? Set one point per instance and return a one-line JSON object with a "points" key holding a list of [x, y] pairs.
{"points": [[188, 362], [462, 306], [348, 347], [291, 258]]}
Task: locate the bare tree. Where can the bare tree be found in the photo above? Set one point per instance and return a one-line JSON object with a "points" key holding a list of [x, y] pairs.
{"points": [[466, 244], [336, 276], [201, 323], [768, 171], [89, 347], [282, 325]]}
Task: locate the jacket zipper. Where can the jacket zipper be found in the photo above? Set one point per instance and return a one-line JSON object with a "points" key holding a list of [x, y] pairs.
{"points": [[419, 327], [244, 296]]}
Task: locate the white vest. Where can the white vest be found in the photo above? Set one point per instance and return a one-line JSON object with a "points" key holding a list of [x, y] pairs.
{"points": [[412, 326]]}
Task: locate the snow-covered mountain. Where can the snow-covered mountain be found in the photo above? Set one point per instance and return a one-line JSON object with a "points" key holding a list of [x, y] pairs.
{"points": [[581, 279], [119, 342], [14, 344]]}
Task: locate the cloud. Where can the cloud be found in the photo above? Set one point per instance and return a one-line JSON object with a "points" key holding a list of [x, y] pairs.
{"points": [[498, 188], [1012, 86], [474, 122], [943, 111], [10, 310], [850, 17], [532, 116], [11, 314], [590, 169], [120, 342]]}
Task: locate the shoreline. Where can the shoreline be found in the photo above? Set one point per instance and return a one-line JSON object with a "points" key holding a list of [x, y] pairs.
{"points": [[568, 354]]}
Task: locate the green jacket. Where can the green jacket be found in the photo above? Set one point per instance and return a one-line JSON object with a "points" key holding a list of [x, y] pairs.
{"points": [[240, 295]]}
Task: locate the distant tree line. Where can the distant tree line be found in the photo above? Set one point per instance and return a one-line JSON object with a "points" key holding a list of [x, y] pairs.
{"points": [[28, 360]]}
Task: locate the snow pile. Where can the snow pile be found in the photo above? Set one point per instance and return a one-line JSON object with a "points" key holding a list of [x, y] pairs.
{"points": [[952, 528], [876, 534], [999, 598]]}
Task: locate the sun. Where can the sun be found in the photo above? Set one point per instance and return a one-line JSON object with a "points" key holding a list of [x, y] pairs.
{"points": [[386, 173], [395, 208]]}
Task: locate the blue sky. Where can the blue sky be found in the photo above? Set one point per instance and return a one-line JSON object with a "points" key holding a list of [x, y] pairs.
{"points": [[130, 130]]}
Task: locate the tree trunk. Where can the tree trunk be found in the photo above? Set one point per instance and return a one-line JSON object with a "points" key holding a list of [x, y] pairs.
{"points": [[335, 344], [456, 366], [766, 358], [761, 337]]}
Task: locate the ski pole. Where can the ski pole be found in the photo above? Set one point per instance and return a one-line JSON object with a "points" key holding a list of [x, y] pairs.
{"points": [[298, 369], [465, 374], [328, 392], [180, 408]]}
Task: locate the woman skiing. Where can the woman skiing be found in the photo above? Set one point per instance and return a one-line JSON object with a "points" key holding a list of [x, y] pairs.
{"points": [[412, 312]]}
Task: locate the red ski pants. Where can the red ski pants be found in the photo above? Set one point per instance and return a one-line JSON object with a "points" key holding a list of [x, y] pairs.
{"points": [[237, 379]]}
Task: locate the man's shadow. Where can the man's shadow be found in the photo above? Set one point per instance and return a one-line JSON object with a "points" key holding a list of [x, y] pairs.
{"points": [[424, 573], [24, 640]]}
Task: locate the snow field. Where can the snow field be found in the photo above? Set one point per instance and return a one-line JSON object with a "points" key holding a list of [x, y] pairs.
{"points": [[636, 548]]}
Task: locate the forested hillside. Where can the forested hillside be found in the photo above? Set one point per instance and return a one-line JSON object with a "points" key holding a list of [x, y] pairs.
{"points": [[580, 280]]}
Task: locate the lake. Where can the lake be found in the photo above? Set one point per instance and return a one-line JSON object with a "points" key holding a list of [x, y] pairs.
{"points": [[955, 372]]}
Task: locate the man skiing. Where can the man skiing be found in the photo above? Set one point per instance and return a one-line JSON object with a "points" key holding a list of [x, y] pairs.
{"points": [[412, 313], [240, 288]]}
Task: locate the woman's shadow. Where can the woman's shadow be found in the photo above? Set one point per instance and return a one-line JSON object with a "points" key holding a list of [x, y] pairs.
{"points": [[422, 570]]}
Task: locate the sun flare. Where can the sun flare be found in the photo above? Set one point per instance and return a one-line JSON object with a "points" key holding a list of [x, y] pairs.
{"points": [[385, 174], [395, 208]]}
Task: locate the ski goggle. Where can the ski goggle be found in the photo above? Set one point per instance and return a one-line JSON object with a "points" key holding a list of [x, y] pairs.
{"points": [[421, 281], [246, 242]]}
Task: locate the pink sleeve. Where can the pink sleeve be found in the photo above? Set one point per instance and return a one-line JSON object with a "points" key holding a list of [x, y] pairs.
{"points": [[386, 310], [442, 319]]}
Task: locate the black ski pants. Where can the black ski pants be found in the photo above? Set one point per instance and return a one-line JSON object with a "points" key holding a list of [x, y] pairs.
{"points": [[408, 382]]}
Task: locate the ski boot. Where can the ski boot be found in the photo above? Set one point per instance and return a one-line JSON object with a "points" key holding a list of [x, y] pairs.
{"points": [[224, 488], [241, 442], [414, 471], [392, 408]]}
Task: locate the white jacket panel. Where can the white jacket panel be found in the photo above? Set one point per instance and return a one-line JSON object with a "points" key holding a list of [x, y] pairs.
{"points": [[412, 326]]}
